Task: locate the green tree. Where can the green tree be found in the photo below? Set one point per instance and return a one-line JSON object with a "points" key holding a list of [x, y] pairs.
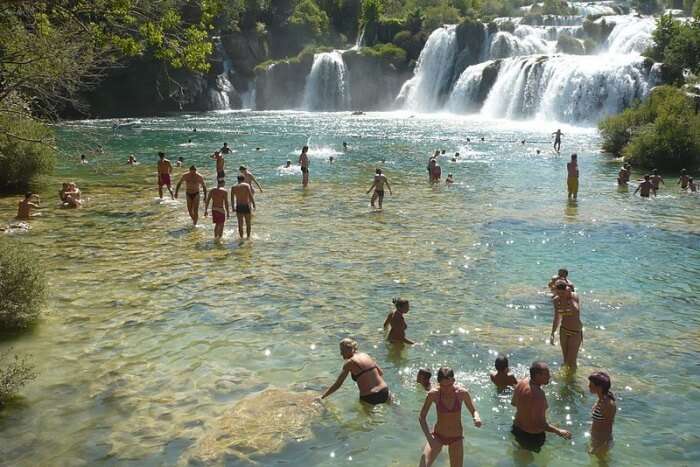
{"points": [[666, 29], [371, 12]]}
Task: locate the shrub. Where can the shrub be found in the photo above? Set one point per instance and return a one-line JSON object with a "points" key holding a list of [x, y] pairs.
{"points": [[21, 159], [14, 373], [22, 286], [438, 15], [389, 52]]}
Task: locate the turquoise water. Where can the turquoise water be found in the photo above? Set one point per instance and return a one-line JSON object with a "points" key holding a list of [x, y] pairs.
{"points": [[153, 331]]}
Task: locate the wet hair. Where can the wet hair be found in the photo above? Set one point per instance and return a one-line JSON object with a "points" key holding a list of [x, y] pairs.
{"points": [[378, 171], [161, 154], [240, 178], [456, 154], [28, 195], [399, 303], [574, 156], [288, 161], [445, 373], [304, 149], [425, 372], [537, 367], [646, 177], [561, 285], [82, 156], [243, 167], [654, 171], [192, 167], [220, 182], [563, 272], [501, 362], [348, 344], [538, 151], [225, 144], [682, 171], [602, 380]]}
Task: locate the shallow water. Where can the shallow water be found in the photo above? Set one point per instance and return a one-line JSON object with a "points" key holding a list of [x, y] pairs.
{"points": [[153, 331]]}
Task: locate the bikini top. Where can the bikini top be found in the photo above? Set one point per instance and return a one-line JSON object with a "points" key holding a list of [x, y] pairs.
{"points": [[597, 414], [566, 310], [442, 408], [357, 376]]}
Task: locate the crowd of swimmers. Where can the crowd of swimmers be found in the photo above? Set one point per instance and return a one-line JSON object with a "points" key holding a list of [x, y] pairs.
{"points": [[651, 183], [530, 423]]}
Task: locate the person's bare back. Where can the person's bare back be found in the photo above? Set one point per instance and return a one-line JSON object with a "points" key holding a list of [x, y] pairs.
{"points": [[219, 196], [243, 194]]}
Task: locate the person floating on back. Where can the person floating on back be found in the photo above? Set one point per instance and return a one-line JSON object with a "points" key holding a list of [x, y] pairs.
{"points": [[572, 177], [378, 185], [645, 188], [304, 163], [165, 168], [193, 180], [557, 139], [502, 377], [218, 197], [242, 199], [396, 323]]}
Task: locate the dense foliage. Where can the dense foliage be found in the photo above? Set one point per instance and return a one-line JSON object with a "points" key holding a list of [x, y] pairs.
{"points": [[22, 286], [15, 372], [677, 45], [663, 132]]}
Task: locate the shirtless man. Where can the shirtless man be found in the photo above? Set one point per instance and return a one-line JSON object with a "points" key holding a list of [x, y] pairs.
{"points": [[165, 168], [530, 422], [378, 185], [24, 207], [645, 188], [304, 163], [435, 172], [219, 158], [249, 178], [219, 201], [562, 275], [192, 180], [656, 179], [557, 139], [683, 180], [225, 149], [431, 162], [623, 176], [241, 200], [572, 176]]}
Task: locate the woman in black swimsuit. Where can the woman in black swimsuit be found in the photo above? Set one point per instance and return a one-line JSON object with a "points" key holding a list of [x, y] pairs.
{"points": [[364, 371]]}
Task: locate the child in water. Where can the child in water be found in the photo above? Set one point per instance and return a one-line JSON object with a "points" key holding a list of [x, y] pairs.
{"points": [[397, 333], [502, 377], [423, 378], [450, 180]]}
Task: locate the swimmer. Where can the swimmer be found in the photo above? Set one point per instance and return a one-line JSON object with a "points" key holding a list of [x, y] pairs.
{"points": [[70, 195], [522, 141], [602, 415], [219, 208], [304, 163], [645, 188], [397, 324], [378, 185], [249, 178], [449, 180], [194, 130], [562, 275], [132, 160], [656, 179], [189, 141], [289, 164], [483, 139], [469, 140], [623, 175], [345, 146], [456, 155], [193, 180], [330, 160], [423, 378], [257, 149], [502, 377], [25, 206], [567, 311], [692, 186], [180, 161], [442, 152], [83, 160], [537, 151], [454, 159], [225, 149], [165, 168], [364, 371], [530, 421], [435, 172], [448, 398], [572, 177], [242, 199], [219, 158], [557, 139], [683, 180], [431, 162]]}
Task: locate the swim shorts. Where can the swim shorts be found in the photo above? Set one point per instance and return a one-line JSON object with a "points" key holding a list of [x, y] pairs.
{"points": [[242, 208], [530, 441], [218, 217], [164, 179], [572, 184], [304, 169]]}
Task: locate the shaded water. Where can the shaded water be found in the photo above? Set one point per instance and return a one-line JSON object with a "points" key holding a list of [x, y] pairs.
{"points": [[153, 331]]}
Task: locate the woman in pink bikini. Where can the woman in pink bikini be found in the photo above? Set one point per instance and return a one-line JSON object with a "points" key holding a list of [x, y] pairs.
{"points": [[448, 399]]}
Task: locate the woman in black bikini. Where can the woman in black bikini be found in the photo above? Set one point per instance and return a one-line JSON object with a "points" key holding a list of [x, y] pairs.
{"points": [[448, 399], [364, 371]]}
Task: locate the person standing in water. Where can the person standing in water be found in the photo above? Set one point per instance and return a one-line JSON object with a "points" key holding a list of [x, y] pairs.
{"points": [[683, 180], [249, 178], [219, 158], [364, 371], [645, 188], [435, 172], [502, 377], [432, 160], [396, 323], [304, 163], [24, 207], [530, 422], [165, 168], [656, 179], [623, 175], [378, 185], [193, 180], [225, 149], [557, 139], [241, 201], [218, 197], [602, 415], [567, 311], [572, 177], [448, 431]]}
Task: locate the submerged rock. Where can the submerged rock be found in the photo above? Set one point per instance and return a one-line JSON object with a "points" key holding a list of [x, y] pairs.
{"points": [[258, 425]]}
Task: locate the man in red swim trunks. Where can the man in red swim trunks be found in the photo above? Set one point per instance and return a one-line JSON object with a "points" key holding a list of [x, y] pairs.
{"points": [[165, 168], [219, 201]]}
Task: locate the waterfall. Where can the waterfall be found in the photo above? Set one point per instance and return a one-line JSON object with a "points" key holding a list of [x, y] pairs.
{"points": [[433, 73], [248, 97], [465, 96], [631, 34], [567, 88], [326, 87], [526, 40], [360, 39], [219, 94], [594, 9]]}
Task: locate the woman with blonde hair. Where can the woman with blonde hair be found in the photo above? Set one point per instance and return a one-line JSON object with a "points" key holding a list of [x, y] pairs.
{"points": [[364, 371]]}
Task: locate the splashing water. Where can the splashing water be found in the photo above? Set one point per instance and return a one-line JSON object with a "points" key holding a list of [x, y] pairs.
{"points": [[326, 86]]}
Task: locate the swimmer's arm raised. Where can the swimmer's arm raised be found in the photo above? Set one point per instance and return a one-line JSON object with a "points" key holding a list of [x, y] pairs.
{"points": [[338, 382]]}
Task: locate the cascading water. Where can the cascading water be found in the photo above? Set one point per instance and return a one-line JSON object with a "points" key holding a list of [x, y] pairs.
{"points": [[465, 96], [326, 87], [433, 75], [630, 34], [219, 95]]}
